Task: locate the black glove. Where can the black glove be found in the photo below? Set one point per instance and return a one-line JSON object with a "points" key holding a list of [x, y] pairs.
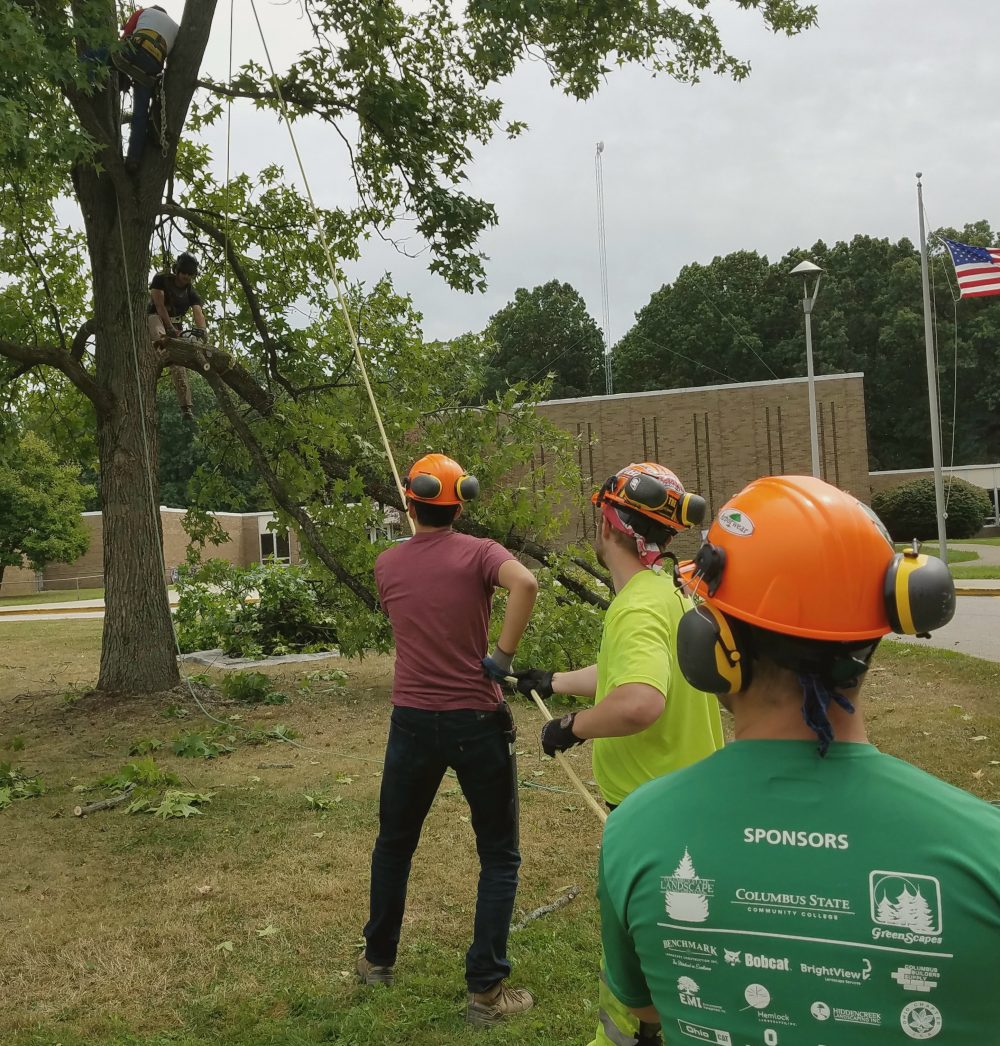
{"points": [[557, 735], [536, 679]]}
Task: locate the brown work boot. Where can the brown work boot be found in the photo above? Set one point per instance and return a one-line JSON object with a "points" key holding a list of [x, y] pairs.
{"points": [[369, 973], [496, 1003]]}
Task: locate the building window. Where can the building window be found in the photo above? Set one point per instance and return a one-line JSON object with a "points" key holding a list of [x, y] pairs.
{"points": [[274, 547]]}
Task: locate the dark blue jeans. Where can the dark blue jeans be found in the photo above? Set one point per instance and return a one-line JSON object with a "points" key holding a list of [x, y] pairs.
{"points": [[478, 746], [141, 98]]}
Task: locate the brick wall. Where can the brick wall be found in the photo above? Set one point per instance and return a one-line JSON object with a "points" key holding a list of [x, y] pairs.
{"points": [[241, 548], [717, 438]]}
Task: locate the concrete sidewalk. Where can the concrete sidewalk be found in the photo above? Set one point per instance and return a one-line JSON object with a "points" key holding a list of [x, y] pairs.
{"points": [[69, 610]]}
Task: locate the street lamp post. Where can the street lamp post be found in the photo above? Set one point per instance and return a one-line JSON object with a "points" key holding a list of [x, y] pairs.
{"points": [[806, 269]]}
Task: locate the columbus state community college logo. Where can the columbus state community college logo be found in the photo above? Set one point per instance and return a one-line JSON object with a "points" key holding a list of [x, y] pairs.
{"points": [[685, 894]]}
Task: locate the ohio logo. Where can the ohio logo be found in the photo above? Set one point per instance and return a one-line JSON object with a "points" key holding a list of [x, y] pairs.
{"points": [[920, 1020]]}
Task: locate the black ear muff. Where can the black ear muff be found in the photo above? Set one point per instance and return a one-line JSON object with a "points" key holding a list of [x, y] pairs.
{"points": [[919, 593], [424, 485], [467, 488], [692, 510], [712, 651], [646, 492], [709, 565]]}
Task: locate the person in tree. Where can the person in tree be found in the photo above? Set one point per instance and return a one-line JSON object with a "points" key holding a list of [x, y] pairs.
{"points": [[647, 720], [147, 39], [811, 847], [437, 589], [171, 294]]}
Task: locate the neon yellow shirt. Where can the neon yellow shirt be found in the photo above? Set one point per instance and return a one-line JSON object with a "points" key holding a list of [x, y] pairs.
{"points": [[637, 646]]}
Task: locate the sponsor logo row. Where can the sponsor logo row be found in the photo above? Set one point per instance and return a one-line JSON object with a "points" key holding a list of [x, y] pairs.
{"points": [[904, 907]]}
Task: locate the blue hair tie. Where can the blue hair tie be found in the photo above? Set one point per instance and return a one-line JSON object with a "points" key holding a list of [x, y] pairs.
{"points": [[815, 702]]}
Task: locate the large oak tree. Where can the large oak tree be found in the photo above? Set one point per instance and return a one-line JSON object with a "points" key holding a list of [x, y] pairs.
{"points": [[407, 87]]}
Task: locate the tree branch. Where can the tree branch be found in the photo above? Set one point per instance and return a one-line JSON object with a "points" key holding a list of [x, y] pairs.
{"points": [[80, 339], [306, 525], [49, 355], [179, 352]]}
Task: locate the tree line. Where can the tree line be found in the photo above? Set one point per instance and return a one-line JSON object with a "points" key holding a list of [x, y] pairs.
{"points": [[739, 318]]}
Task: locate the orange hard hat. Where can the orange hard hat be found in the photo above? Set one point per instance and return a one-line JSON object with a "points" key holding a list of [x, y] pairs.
{"points": [[798, 556], [438, 480], [654, 492]]}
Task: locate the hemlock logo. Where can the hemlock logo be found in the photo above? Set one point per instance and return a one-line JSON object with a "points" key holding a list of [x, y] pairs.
{"points": [[735, 522]]}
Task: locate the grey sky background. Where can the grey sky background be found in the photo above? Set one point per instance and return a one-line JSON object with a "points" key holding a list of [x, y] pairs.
{"points": [[821, 142]]}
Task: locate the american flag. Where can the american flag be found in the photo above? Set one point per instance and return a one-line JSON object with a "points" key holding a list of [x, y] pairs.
{"points": [[977, 269]]}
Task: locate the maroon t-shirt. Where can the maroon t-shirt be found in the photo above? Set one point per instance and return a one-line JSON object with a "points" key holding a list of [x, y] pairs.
{"points": [[437, 589]]}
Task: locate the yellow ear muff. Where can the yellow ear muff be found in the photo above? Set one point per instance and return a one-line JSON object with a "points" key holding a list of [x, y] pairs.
{"points": [[709, 652], [919, 593], [691, 510], [467, 488]]}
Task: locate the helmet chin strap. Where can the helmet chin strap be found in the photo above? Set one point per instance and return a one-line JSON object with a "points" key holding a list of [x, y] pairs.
{"points": [[649, 552]]}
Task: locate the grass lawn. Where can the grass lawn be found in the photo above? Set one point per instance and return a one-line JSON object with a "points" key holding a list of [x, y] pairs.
{"points": [[954, 555], [128, 930], [983, 570], [66, 596]]}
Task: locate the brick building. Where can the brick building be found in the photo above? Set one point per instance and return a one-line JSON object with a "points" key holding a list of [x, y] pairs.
{"points": [[249, 541], [718, 437]]}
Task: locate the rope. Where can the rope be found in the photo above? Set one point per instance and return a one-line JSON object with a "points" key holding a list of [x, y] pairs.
{"points": [[229, 140], [333, 269]]}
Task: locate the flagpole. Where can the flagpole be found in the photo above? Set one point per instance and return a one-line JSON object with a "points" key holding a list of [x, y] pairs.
{"points": [[932, 390]]}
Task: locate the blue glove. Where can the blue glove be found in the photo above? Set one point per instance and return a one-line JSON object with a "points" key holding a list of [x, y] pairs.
{"points": [[497, 665]]}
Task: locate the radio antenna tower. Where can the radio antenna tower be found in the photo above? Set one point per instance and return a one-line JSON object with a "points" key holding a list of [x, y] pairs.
{"points": [[602, 248]]}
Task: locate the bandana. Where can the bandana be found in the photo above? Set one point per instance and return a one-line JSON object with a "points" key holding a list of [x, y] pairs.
{"points": [[649, 552], [815, 701]]}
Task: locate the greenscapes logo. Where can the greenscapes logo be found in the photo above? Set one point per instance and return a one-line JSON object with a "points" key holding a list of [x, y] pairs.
{"points": [[735, 522]]}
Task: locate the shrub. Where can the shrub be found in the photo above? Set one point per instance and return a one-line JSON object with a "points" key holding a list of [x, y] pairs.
{"points": [[909, 511], [253, 612], [252, 688]]}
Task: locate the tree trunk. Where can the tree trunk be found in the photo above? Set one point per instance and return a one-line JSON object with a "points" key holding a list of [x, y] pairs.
{"points": [[138, 653]]}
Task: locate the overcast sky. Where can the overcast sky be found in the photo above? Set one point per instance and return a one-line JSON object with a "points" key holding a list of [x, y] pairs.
{"points": [[821, 142]]}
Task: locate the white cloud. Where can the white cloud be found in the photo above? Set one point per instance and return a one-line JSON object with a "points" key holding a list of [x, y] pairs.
{"points": [[821, 142]]}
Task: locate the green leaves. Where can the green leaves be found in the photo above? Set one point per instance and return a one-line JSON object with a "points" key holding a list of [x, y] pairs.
{"points": [[174, 804], [42, 501], [143, 773], [16, 784], [201, 746]]}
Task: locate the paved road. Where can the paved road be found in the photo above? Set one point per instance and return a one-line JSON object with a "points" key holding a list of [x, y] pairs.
{"points": [[975, 629]]}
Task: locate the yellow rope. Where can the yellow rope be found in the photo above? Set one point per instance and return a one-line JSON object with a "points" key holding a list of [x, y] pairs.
{"points": [[333, 269]]}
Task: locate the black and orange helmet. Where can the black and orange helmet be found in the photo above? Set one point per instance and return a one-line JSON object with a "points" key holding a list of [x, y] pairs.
{"points": [[653, 491], [438, 480], [797, 556]]}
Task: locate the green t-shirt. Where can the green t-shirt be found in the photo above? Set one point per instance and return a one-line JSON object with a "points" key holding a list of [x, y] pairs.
{"points": [[637, 647], [767, 896]]}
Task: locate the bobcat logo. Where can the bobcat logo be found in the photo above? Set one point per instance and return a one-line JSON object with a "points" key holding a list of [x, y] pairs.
{"points": [[733, 958]]}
